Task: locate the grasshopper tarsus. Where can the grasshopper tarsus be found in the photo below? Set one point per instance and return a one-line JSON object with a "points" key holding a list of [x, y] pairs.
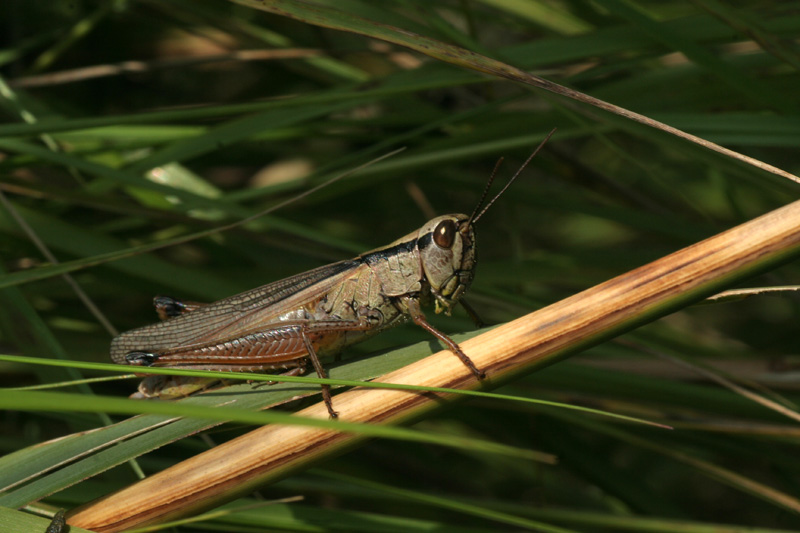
{"points": [[328, 403]]}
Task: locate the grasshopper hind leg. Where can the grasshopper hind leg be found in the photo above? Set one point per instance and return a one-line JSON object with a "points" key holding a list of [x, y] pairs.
{"points": [[284, 347]]}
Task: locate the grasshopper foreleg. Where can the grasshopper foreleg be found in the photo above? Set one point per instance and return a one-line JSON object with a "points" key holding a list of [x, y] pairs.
{"points": [[414, 309]]}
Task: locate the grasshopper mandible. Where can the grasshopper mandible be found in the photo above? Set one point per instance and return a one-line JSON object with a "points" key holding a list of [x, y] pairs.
{"points": [[287, 324]]}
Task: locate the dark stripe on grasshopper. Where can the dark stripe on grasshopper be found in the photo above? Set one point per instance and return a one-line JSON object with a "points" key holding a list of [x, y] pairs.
{"points": [[385, 253], [425, 241]]}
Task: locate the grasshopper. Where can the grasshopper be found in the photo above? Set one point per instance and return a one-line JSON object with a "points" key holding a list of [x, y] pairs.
{"points": [[290, 323]]}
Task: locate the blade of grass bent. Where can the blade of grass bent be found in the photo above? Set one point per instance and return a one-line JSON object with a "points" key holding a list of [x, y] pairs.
{"points": [[422, 348]]}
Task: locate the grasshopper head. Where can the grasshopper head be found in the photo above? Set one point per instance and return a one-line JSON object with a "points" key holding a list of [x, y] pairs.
{"points": [[447, 252]]}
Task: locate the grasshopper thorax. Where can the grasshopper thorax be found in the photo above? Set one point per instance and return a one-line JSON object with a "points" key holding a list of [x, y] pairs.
{"points": [[447, 253]]}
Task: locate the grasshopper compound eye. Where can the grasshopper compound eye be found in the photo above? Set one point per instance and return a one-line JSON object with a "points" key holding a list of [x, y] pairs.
{"points": [[444, 234]]}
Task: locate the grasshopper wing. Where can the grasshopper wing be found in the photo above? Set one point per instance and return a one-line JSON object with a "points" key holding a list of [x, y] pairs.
{"points": [[248, 313]]}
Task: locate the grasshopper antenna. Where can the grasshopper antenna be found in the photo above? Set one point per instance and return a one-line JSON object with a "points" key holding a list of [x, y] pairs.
{"points": [[473, 218], [485, 191]]}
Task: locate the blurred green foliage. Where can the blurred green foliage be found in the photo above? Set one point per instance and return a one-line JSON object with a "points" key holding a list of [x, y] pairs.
{"points": [[130, 121]]}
